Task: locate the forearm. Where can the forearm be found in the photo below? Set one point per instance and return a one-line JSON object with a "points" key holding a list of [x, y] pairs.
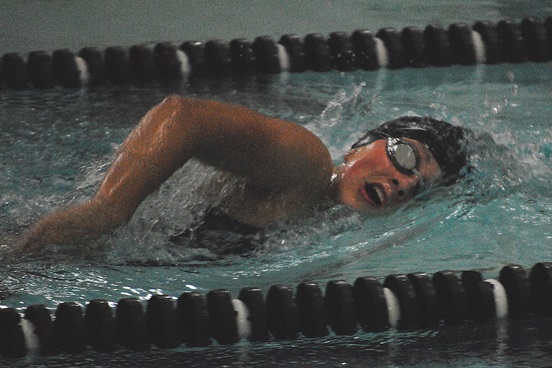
{"points": [[143, 162], [70, 225]]}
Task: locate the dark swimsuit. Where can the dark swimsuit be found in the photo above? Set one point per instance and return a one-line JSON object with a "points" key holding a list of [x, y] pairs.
{"points": [[221, 234]]}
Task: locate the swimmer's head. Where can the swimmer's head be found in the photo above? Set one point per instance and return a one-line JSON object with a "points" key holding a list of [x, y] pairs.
{"points": [[446, 142]]}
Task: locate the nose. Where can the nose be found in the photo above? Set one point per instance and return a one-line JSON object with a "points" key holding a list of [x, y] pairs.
{"points": [[405, 185]]}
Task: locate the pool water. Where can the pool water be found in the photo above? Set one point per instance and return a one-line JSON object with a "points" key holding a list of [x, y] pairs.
{"points": [[55, 147], [58, 144]]}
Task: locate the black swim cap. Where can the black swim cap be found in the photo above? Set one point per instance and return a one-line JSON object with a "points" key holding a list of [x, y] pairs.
{"points": [[447, 142]]}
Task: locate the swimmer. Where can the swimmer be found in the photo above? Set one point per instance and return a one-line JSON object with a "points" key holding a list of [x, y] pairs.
{"points": [[285, 168]]}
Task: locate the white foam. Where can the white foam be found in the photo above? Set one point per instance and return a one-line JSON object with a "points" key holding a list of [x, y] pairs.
{"points": [[81, 65], [479, 47], [242, 319], [283, 57], [184, 62], [381, 51], [31, 339], [393, 307], [501, 300]]}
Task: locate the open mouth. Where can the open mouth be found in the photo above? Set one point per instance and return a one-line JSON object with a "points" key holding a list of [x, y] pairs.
{"points": [[374, 194]]}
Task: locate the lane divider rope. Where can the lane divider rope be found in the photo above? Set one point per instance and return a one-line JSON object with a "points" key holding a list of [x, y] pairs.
{"points": [[506, 41], [404, 302]]}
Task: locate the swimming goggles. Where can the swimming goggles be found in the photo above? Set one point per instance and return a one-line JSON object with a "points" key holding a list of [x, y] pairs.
{"points": [[403, 155]]}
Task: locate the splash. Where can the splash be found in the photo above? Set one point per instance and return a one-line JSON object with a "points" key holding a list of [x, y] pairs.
{"points": [[348, 110]]}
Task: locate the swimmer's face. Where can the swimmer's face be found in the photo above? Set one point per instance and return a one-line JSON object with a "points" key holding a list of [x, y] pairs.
{"points": [[385, 174]]}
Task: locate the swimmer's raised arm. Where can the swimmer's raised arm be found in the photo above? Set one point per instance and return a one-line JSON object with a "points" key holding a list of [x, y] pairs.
{"points": [[284, 165]]}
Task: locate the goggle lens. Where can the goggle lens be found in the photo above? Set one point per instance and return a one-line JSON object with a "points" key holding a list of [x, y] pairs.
{"points": [[403, 155]]}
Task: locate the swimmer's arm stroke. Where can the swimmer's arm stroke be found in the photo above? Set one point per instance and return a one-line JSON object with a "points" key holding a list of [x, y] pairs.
{"points": [[284, 165]]}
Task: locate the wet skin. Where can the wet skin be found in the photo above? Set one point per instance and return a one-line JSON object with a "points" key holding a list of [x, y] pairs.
{"points": [[368, 181], [286, 169]]}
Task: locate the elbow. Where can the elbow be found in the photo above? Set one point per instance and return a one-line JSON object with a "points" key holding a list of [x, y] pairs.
{"points": [[172, 99], [175, 101]]}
